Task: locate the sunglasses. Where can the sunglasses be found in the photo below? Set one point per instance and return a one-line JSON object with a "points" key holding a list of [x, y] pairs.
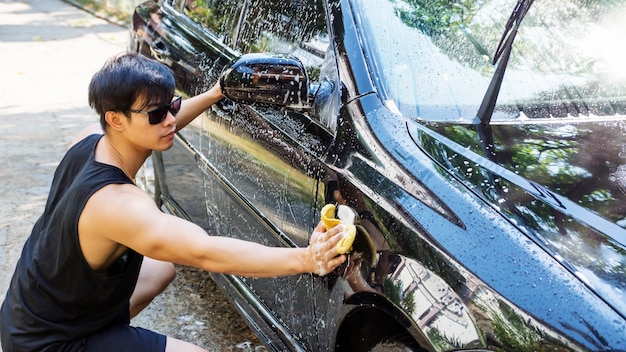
{"points": [[155, 116]]}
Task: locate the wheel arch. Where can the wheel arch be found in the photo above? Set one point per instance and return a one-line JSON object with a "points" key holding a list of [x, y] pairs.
{"points": [[373, 320]]}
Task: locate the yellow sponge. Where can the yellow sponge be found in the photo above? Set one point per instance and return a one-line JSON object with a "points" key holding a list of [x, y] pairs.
{"points": [[328, 217]]}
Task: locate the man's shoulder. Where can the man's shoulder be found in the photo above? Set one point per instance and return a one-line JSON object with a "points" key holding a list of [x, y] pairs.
{"points": [[121, 213], [125, 196], [88, 132], [88, 143], [80, 151]]}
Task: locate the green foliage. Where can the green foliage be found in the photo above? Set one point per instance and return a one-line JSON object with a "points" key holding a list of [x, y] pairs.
{"points": [[433, 17], [202, 14]]}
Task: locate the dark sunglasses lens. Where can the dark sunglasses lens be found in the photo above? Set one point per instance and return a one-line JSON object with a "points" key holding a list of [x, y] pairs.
{"points": [[175, 106], [157, 115]]}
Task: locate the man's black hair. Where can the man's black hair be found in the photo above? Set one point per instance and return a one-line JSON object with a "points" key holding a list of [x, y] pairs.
{"points": [[124, 79]]}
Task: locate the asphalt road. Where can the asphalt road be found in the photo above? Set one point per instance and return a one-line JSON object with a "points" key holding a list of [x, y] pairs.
{"points": [[48, 52]]}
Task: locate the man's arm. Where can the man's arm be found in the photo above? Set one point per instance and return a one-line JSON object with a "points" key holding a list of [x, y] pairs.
{"points": [[125, 215], [192, 107]]}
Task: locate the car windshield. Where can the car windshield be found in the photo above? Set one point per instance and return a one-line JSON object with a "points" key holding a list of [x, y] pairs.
{"points": [[434, 58]]}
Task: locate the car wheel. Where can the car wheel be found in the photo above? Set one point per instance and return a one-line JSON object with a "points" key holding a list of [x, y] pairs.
{"points": [[393, 346], [400, 343], [372, 330]]}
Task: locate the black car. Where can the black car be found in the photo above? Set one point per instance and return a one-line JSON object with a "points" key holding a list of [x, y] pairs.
{"points": [[479, 146]]}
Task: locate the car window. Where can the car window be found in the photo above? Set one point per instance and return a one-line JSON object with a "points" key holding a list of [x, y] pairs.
{"points": [[250, 26], [296, 27], [220, 17], [566, 60], [279, 26]]}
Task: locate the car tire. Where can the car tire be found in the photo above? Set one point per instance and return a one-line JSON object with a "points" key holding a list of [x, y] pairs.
{"points": [[394, 346]]}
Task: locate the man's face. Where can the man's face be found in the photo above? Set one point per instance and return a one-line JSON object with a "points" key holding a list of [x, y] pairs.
{"points": [[152, 125]]}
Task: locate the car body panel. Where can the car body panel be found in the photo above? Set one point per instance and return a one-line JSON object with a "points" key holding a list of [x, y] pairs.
{"points": [[470, 236], [559, 221], [488, 235]]}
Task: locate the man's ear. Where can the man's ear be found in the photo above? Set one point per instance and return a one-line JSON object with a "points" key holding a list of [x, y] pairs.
{"points": [[114, 119]]}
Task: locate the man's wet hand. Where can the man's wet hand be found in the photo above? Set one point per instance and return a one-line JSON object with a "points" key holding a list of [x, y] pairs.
{"points": [[322, 251]]}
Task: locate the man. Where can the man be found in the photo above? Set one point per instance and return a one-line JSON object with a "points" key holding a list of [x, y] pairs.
{"points": [[102, 250]]}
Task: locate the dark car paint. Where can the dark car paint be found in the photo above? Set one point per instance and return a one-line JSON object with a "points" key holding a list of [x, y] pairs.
{"points": [[561, 225], [457, 264]]}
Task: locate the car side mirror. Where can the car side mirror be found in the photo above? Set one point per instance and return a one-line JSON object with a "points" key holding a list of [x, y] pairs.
{"points": [[267, 79]]}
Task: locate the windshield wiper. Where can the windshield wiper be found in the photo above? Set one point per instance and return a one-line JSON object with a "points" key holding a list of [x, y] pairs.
{"points": [[503, 51]]}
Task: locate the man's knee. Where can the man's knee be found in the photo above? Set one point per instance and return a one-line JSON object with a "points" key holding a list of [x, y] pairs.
{"points": [[174, 345], [155, 275], [164, 275], [169, 273]]}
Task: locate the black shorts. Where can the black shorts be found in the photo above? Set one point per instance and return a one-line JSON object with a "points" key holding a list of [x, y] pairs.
{"points": [[118, 336], [122, 337]]}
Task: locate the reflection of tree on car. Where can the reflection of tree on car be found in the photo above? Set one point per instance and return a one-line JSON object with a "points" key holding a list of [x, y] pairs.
{"points": [[297, 21], [538, 155], [301, 20], [216, 17]]}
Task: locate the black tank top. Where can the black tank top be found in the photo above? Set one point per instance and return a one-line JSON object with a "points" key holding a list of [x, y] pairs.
{"points": [[55, 296]]}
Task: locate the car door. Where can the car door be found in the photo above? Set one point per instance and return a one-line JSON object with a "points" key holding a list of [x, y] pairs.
{"points": [[261, 164]]}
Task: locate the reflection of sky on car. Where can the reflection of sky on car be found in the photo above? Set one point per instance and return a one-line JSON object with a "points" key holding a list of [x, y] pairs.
{"points": [[604, 43], [435, 83], [308, 52], [436, 305], [275, 200], [413, 85]]}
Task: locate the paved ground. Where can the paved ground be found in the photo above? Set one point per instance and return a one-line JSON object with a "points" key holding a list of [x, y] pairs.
{"points": [[48, 52]]}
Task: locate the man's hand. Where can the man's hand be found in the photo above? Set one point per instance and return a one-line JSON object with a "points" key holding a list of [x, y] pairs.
{"points": [[322, 251]]}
